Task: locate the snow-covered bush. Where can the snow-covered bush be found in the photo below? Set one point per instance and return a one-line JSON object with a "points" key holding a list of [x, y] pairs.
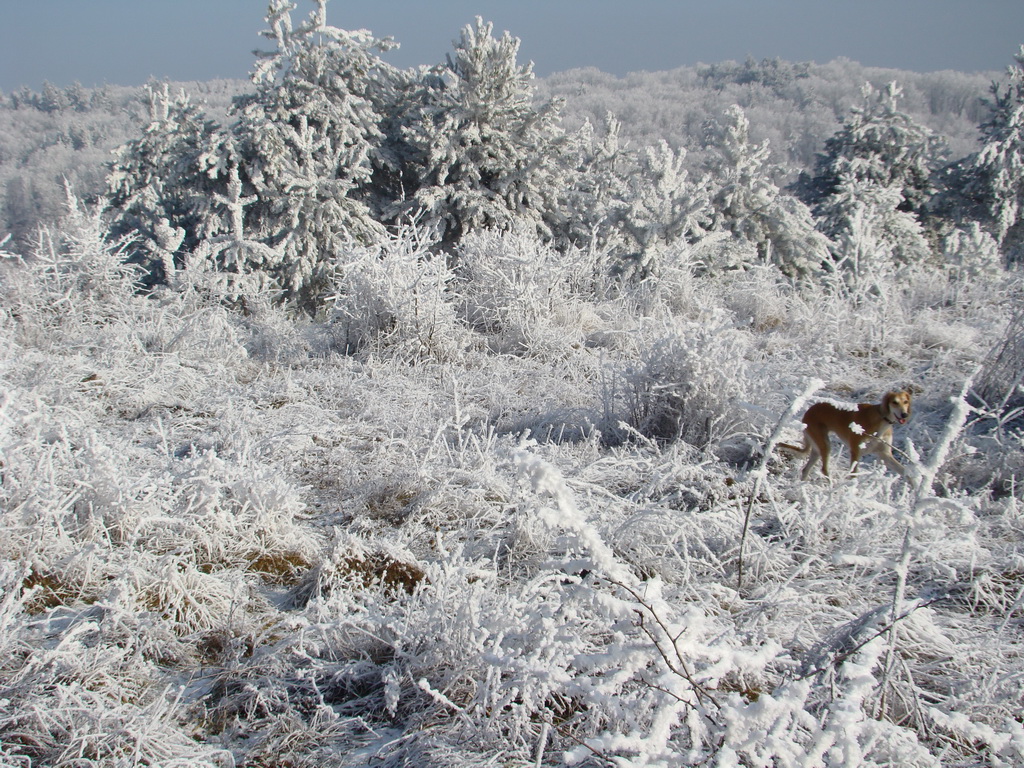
{"points": [[760, 298], [872, 238], [871, 185], [518, 293], [687, 381], [398, 294], [971, 254], [158, 187], [306, 141], [1001, 379], [73, 274], [591, 204]]}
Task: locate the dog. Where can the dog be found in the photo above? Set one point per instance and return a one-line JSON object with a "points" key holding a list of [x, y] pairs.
{"points": [[866, 427]]}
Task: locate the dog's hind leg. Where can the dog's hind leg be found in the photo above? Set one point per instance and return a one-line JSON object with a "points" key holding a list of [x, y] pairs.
{"points": [[819, 448], [814, 454]]}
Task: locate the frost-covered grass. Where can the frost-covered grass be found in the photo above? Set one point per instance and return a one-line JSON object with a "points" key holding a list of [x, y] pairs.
{"points": [[491, 512]]}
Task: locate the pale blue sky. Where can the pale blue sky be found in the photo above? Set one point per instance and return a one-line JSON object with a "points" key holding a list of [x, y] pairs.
{"points": [[125, 42]]}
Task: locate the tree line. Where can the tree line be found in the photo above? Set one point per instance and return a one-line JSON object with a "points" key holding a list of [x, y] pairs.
{"points": [[331, 147]]}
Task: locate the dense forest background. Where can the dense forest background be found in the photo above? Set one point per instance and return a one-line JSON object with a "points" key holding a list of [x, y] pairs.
{"points": [[354, 416]]}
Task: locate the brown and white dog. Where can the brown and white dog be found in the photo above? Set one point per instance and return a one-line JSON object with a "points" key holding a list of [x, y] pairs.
{"points": [[866, 428]]}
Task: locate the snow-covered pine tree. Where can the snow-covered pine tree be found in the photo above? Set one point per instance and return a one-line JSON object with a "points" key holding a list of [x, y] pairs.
{"points": [[53, 99], [591, 201], [878, 144], [306, 140], [158, 183], [285, 185], [872, 182], [971, 253], [662, 206], [233, 264], [748, 204], [993, 178], [485, 154]]}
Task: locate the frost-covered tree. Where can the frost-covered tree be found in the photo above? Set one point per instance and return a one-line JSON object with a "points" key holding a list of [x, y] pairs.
{"points": [[53, 99], [872, 181], [286, 184], [591, 201], [971, 253], [662, 207], [233, 264], [304, 144], [748, 204], [881, 145], [485, 154], [993, 178], [872, 238], [159, 180]]}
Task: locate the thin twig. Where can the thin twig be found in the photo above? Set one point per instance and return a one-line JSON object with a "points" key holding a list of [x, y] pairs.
{"points": [[682, 669], [897, 600], [572, 737], [847, 654], [759, 474]]}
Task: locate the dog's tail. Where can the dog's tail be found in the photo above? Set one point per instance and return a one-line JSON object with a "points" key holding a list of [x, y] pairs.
{"points": [[799, 450]]}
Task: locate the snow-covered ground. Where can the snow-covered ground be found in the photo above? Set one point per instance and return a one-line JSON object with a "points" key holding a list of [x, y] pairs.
{"points": [[525, 522]]}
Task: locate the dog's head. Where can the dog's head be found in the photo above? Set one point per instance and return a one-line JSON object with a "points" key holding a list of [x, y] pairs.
{"points": [[896, 406]]}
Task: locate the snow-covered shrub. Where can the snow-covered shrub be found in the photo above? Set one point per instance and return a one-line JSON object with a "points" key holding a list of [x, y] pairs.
{"points": [[870, 186], [73, 274], [305, 142], [396, 294], [517, 292], [599, 168], [1001, 379], [995, 455], [158, 191], [872, 237], [758, 297], [675, 287], [971, 254], [687, 381]]}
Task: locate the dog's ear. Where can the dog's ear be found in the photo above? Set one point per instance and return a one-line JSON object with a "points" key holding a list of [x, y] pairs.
{"points": [[910, 389]]}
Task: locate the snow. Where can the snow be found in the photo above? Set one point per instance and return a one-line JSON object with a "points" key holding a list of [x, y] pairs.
{"points": [[513, 503], [196, 496]]}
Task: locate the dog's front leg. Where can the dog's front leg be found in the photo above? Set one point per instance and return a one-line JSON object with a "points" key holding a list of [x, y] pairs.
{"points": [[881, 446]]}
